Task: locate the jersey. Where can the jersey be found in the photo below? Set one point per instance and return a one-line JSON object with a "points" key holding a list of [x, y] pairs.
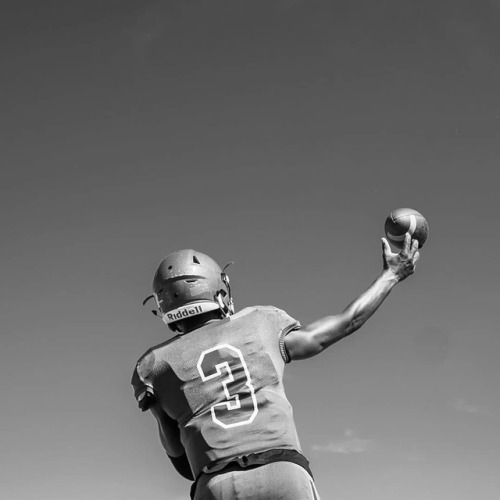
{"points": [[223, 384]]}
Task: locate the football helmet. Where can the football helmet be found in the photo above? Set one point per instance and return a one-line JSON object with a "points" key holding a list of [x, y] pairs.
{"points": [[188, 283]]}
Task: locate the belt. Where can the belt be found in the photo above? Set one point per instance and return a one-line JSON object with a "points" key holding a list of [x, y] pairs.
{"points": [[252, 461]]}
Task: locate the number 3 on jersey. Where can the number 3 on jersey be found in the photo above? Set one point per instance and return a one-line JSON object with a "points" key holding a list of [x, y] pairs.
{"points": [[240, 406]]}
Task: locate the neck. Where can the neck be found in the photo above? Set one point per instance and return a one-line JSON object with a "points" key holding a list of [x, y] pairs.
{"points": [[189, 324]]}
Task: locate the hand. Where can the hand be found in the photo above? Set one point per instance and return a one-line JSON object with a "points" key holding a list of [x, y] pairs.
{"points": [[401, 264]]}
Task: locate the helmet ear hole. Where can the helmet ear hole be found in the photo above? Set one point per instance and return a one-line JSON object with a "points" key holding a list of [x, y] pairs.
{"points": [[195, 260]]}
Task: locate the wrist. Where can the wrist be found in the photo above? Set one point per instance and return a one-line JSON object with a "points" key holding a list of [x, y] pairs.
{"points": [[390, 277]]}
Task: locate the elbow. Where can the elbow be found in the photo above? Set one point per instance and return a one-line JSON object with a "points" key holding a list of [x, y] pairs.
{"points": [[182, 466], [353, 319], [315, 338], [352, 326], [341, 330]]}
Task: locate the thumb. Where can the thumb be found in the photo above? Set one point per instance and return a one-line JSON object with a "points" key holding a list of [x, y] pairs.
{"points": [[385, 246]]}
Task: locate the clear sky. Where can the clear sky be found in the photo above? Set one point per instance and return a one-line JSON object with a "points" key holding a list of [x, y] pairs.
{"points": [[278, 134]]}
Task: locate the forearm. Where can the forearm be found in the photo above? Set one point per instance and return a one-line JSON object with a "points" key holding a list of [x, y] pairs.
{"points": [[169, 433], [358, 311], [170, 440]]}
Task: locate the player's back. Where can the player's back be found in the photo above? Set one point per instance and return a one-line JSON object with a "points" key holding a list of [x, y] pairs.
{"points": [[223, 384]]}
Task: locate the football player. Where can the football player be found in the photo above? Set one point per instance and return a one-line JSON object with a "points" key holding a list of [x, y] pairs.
{"points": [[216, 387]]}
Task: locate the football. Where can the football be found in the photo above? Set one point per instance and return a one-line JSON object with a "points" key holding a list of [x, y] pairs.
{"points": [[406, 220]]}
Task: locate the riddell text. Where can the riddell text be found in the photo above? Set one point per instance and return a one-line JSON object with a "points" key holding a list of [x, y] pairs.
{"points": [[185, 313]]}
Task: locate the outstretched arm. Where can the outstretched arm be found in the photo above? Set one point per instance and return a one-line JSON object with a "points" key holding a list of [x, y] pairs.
{"points": [[316, 337]]}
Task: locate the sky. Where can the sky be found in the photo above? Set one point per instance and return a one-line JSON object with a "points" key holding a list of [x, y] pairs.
{"points": [[276, 134]]}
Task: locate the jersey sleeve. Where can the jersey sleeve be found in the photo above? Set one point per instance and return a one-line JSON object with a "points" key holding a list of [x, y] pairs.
{"points": [[283, 324], [143, 390]]}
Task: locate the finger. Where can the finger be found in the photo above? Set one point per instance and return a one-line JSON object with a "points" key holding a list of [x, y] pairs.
{"points": [[414, 247], [416, 257], [407, 243], [386, 247]]}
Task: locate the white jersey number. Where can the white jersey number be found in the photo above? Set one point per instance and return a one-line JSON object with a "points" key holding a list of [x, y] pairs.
{"points": [[240, 407]]}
